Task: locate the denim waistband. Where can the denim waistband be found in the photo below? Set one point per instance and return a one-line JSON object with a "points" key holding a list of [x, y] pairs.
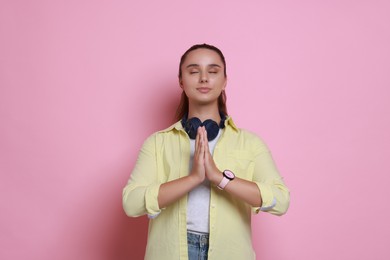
{"points": [[196, 238]]}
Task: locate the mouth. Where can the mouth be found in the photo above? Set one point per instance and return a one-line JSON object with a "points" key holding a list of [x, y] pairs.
{"points": [[203, 90]]}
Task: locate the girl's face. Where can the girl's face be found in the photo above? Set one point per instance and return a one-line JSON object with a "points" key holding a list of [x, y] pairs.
{"points": [[203, 76]]}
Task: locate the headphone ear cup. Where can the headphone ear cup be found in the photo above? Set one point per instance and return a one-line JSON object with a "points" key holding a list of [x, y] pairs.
{"points": [[191, 126], [212, 129]]}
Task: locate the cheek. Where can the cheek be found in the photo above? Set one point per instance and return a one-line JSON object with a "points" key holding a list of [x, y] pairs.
{"points": [[220, 82], [188, 82], [186, 87]]}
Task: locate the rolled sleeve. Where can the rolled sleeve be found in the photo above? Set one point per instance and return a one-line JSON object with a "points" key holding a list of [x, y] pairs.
{"points": [[267, 196], [140, 195], [151, 200], [274, 193]]}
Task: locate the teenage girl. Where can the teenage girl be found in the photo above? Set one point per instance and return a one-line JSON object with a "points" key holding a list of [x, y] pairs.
{"points": [[200, 179]]}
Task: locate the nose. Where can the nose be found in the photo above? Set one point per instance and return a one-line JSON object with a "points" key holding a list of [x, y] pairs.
{"points": [[203, 78]]}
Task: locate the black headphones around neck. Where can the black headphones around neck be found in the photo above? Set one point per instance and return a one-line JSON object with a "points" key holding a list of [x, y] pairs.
{"points": [[191, 126]]}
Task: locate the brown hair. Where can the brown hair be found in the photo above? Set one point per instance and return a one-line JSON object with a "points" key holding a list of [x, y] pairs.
{"points": [[182, 109]]}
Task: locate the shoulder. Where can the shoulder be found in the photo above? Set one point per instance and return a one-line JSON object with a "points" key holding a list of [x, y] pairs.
{"points": [[245, 138], [248, 134], [252, 138], [238, 132], [158, 137]]}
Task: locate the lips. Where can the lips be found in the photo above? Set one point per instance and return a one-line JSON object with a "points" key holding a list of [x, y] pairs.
{"points": [[204, 90]]}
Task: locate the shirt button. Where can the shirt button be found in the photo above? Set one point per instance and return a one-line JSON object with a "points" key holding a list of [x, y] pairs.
{"points": [[213, 205]]}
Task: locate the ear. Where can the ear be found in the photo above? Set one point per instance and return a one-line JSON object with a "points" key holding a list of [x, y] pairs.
{"points": [[224, 84], [181, 83]]}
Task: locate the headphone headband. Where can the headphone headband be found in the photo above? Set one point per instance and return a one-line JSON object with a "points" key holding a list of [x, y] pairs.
{"points": [[191, 126]]}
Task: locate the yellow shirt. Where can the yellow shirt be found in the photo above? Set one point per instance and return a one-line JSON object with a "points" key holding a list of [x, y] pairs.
{"points": [[165, 157]]}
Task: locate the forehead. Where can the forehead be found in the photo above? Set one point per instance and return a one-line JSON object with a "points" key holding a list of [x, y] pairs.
{"points": [[203, 57]]}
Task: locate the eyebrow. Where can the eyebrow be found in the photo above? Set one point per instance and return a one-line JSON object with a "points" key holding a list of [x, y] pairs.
{"points": [[197, 65]]}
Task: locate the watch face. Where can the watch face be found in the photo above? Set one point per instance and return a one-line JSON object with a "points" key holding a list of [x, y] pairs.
{"points": [[229, 174]]}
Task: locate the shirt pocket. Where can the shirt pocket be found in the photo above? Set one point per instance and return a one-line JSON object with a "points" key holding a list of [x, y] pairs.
{"points": [[241, 163]]}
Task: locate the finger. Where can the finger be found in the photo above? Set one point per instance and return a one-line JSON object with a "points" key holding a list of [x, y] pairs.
{"points": [[206, 141], [197, 141], [205, 136], [206, 146], [209, 161], [202, 149]]}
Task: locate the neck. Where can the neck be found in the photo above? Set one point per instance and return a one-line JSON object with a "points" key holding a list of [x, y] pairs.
{"points": [[204, 112]]}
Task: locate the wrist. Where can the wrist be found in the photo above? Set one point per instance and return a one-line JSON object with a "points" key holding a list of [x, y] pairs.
{"points": [[217, 177], [227, 177], [195, 178]]}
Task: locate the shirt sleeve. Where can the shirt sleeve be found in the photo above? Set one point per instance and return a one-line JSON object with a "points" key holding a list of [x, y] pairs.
{"points": [[140, 195], [274, 193]]}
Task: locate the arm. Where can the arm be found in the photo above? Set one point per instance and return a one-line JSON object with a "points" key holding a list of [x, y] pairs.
{"points": [[242, 189], [144, 194], [245, 190], [172, 191], [139, 196], [266, 190], [275, 194]]}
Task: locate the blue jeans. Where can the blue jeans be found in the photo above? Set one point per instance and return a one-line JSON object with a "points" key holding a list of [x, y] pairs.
{"points": [[198, 246]]}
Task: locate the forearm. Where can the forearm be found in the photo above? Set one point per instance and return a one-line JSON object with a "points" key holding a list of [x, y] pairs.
{"points": [[245, 190], [172, 191]]}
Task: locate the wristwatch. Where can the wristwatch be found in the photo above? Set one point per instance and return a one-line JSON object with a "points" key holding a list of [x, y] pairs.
{"points": [[227, 177]]}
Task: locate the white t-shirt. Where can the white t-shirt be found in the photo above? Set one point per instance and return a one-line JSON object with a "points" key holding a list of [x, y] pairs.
{"points": [[199, 198]]}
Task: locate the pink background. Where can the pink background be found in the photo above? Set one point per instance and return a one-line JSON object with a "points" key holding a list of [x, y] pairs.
{"points": [[83, 83]]}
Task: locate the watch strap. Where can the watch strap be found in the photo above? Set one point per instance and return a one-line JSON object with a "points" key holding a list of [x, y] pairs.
{"points": [[223, 183]]}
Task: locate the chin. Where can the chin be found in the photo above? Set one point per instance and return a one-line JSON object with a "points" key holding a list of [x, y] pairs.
{"points": [[204, 102]]}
